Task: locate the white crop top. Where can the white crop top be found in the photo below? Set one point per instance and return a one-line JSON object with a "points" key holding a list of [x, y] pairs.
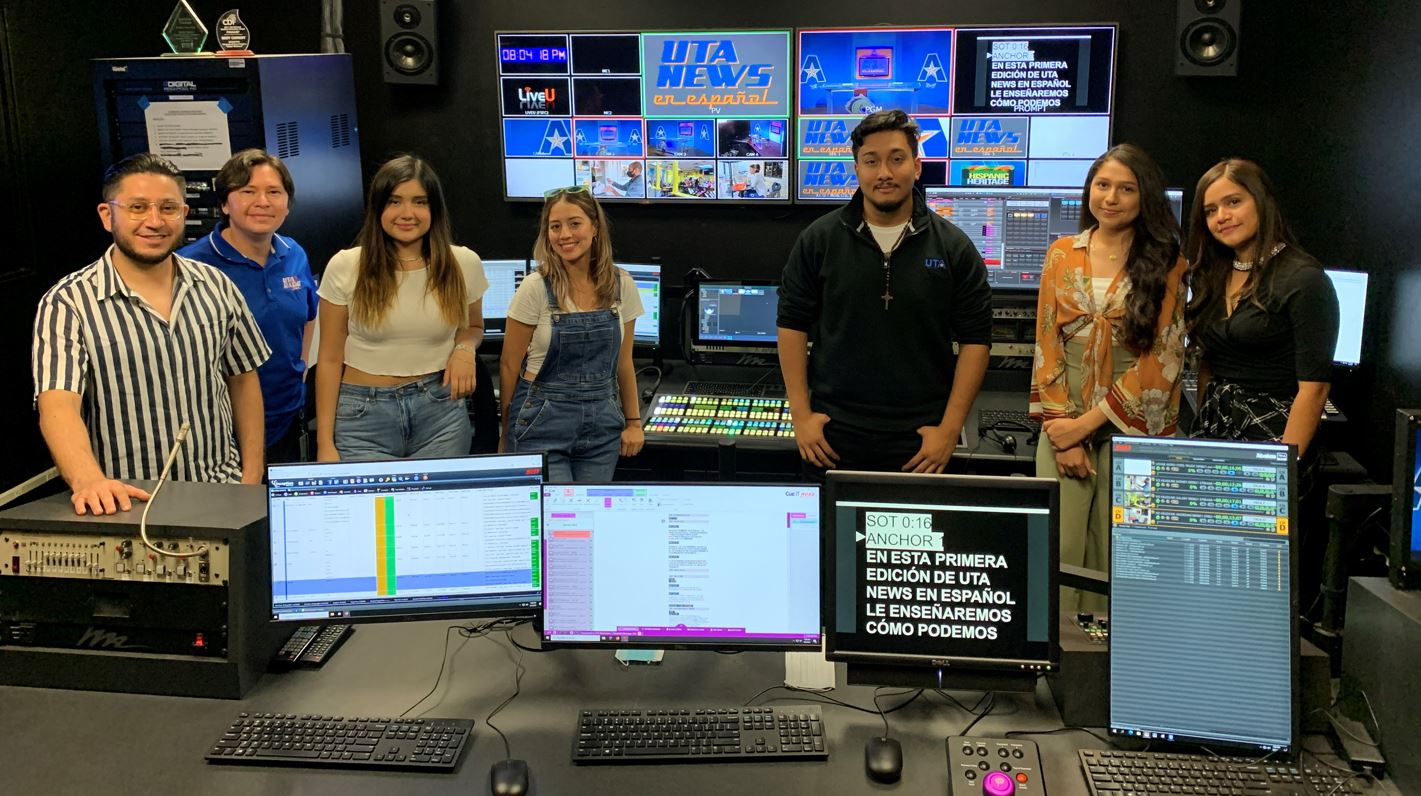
{"points": [[530, 306], [414, 338]]}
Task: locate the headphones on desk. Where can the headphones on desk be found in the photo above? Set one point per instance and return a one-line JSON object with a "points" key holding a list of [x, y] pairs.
{"points": [[1006, 441]]}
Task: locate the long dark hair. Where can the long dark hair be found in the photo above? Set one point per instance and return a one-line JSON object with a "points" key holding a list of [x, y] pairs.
{"points": [[1154, 249], [1211, 262]]}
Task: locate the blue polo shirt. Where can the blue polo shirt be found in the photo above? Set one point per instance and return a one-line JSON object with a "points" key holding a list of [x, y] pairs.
{"points": [[282, 297]]}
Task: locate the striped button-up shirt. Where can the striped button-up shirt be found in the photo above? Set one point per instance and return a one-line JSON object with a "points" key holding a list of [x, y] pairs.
{"points": [[141, 377]]}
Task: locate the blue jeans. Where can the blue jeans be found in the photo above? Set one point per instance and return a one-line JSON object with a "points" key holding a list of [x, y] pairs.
{"points": [[581, 437], [412, 421]]}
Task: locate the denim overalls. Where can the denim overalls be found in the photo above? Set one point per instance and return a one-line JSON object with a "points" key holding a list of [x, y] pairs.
{"points": [[570, 410]]}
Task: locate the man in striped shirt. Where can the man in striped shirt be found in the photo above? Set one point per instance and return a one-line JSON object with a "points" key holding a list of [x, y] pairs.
{"points": [[133, 346]]}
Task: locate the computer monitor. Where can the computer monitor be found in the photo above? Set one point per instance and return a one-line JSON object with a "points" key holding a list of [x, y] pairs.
{"points": [[943, 581], [1351, 287], [504, 276], [406, 539], [684, 566], [1405, 566], [1203, 567], [736, 316], [1013, 227], [647, 332]]}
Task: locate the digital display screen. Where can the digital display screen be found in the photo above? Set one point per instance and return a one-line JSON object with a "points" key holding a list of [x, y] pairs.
{"points": [[638, 116], [1038, 123]]}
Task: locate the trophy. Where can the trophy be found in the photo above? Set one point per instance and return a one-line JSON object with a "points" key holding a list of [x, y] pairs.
{"points": [[233, 35], [184, 32]]}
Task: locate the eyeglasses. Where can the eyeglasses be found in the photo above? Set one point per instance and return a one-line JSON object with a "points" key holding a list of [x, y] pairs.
{"points": [[560, 191], [139, 209]]}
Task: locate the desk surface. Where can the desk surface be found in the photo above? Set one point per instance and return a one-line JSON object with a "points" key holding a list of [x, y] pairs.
{"points": [[86, 742]]}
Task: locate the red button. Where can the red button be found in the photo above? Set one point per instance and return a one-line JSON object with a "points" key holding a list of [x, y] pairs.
{"points": [[1021, 777]]}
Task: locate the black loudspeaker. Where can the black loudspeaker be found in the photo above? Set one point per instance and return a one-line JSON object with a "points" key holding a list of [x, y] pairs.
{"points": [[409, 31], [1206, 38]]}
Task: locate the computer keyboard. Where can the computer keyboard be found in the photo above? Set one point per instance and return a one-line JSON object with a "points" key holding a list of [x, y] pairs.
{"points": [[1116, 773], [716, 735], [1012, 419], [750, 388], [280, 739]]}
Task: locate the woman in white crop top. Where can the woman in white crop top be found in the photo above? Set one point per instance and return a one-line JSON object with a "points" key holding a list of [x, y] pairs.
{"points": [[401, 316], [569, 387]]}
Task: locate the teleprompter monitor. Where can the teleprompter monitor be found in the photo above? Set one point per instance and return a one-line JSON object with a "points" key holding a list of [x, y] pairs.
{"points": [[406, 539], [1203, 596], [684, 566], [944, 581], [1405, 566]]}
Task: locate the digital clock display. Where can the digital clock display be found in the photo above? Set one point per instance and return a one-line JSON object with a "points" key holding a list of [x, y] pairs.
{"points": [[536, 54]]}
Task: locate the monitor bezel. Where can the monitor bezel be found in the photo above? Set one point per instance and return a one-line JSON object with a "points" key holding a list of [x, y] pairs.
{"points": [[505, 610], [1182, 744], [1405, 563], [699, 344], [675, 643], [834, 481]]}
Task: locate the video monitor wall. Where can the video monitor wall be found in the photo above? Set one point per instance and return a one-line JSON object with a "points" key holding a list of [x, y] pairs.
{"points": [[674, 117], [997, 107], [709, 116]]}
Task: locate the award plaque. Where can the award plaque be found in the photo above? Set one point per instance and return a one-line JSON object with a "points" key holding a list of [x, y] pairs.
{"points": [[184, 32], [233, 35]]}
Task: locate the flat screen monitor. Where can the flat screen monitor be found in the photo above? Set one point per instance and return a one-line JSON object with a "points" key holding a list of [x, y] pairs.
{"points": [[942, 580], [504, 276], [1351, 287], [406, 539], [721, 566], [647, 332], [1203, 567], [1405, 568], [736, 315], [1013, 227], [1005, 107]]}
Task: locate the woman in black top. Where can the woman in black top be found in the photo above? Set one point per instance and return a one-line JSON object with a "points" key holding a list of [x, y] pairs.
{"points": [[1263, 314]]}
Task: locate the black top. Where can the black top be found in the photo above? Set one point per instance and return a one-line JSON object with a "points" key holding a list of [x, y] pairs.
{"points": [[1290, 339], [884, 369]]}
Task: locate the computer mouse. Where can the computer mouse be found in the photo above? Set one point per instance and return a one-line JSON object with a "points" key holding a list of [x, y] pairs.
{"points": [[508, 778], [883, 758]]}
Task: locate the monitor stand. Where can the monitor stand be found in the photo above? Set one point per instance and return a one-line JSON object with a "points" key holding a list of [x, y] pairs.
{"points": [[946, 678]]}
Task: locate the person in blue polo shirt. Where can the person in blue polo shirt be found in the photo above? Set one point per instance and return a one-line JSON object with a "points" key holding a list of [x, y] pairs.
{"points": [[274, 276]]}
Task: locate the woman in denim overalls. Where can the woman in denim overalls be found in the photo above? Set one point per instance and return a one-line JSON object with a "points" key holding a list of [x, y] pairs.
{"points": [[569, 387]]}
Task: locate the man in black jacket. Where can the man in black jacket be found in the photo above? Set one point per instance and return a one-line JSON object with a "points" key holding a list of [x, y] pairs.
{"points": [[883, 287]]}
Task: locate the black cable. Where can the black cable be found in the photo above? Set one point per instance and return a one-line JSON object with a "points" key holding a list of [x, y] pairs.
{"points": [[823, 697], [991, 700], [518, 671], [881, 714], [444, 660]]}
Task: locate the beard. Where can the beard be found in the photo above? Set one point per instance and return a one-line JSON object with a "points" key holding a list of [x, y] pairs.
{"points": [[123, 244], [887, 208]]}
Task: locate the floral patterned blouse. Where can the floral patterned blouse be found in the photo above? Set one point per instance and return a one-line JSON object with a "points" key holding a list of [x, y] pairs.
{"points": [[1145, 399]]}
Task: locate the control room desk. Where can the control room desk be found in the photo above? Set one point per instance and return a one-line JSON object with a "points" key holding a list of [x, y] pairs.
{"points": [[88, 742]]}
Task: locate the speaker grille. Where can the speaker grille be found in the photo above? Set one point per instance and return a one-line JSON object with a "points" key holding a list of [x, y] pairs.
{"points": [[340, 130], [1208, 41], [288, 140]]}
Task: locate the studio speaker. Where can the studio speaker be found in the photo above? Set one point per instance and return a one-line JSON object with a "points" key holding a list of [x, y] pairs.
{"points": [[410, 33], [1206, 38]]}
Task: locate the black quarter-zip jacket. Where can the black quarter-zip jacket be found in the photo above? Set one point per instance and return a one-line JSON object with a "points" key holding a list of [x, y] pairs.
{"points": [[886, 369]]}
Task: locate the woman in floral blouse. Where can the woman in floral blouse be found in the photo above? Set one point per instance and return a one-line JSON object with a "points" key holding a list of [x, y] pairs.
{"points": [[1109, 341]]}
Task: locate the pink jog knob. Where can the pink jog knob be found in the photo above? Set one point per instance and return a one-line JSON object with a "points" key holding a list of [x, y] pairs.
{"points": [[998, 783]]}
